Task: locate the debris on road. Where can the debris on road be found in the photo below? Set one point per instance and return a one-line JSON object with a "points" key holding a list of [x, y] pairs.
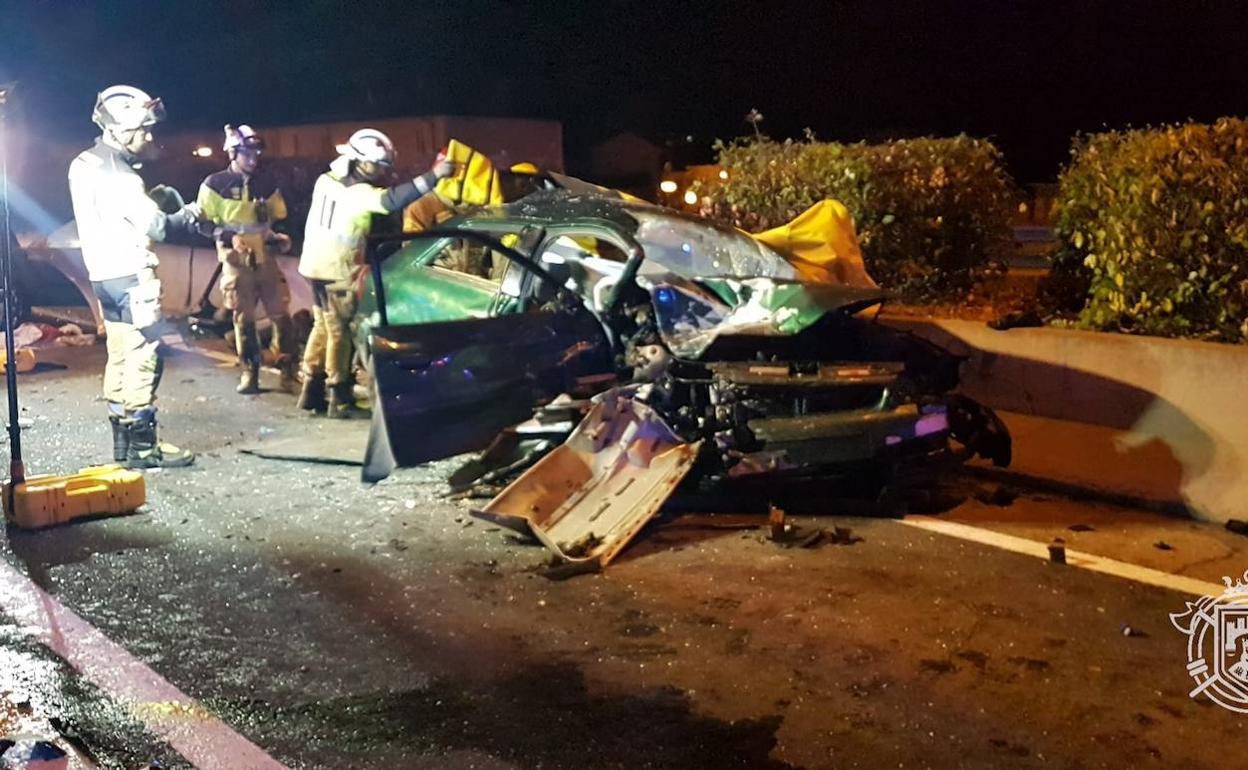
{"points": [[72, 335], [25, 357], [589, 497], [33, 754], [999, 496], [1132, 631], [1081, 528], [717, 521], [1162, 545], [775, 518], [1057, 551]]}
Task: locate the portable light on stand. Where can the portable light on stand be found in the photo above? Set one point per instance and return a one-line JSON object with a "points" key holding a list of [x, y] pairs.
{"points": [[17, 469], [41, 501]]}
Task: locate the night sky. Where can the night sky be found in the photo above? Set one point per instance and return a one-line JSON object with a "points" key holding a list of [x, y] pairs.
{"points": [[1028, 74]]}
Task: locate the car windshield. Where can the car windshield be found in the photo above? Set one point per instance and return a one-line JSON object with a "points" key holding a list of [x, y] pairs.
{"points": [[699, 250]]}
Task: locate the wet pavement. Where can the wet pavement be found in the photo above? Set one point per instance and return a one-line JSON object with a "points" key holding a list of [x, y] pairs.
{"points": [[336, 625]]}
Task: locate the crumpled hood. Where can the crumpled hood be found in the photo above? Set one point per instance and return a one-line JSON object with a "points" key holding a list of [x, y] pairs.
{"points": [[693, 314]]}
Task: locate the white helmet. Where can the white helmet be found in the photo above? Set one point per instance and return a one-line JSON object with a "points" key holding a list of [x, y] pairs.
{"points": [[242, 138], [368, 145], [126, 108]]}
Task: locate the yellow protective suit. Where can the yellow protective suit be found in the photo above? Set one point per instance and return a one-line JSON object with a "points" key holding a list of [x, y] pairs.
{"points": [[822, 244]]}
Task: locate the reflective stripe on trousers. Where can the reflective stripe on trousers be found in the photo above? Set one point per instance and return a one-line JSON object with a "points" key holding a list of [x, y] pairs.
{"points": [[329, 348], [134, 366]]}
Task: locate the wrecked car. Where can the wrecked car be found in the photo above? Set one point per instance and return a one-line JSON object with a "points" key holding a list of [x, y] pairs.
{"points": [[695, 350]]}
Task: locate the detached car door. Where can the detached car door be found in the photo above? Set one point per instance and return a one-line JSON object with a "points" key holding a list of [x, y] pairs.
{"points": [[448, 387]]}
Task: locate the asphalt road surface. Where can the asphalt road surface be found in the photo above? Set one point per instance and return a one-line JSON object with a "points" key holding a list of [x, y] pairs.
{"points": [[328, 624]]}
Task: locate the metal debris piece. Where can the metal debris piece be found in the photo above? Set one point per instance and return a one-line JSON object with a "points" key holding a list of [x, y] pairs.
{"points": [[717, 521], [813, 539], [1057, 551], [999, 496], [844, 536], [775, 518], [562, 570], [589, 497]]}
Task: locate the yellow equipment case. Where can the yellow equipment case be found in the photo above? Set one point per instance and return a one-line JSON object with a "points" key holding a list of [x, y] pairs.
{"points": [[44, 501]]}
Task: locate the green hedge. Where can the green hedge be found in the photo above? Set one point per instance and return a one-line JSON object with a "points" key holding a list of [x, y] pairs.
{"points": [[929, 212], [1153, 229]]}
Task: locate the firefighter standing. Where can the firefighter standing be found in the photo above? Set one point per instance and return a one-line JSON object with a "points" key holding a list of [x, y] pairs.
{"points": [[344, 201], [244, 202], [117, 222]]}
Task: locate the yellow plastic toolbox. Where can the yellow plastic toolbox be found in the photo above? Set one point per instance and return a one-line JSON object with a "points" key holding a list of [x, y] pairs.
{"points": [[44, 501]]}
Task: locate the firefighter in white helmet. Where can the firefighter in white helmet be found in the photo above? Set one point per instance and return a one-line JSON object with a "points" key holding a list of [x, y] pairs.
{"points": [[344, 201], [117, 222], [244, 203]]}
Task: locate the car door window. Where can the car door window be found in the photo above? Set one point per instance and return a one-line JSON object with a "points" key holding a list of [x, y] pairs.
{"points": [[584, 263]]}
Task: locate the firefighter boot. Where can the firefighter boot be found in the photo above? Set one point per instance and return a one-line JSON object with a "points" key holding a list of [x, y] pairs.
{"points": [[121, 432], [249, 381], [288, 382], [248, 347], [341, 404], [312, 396], [146, 450], [282, 347]]}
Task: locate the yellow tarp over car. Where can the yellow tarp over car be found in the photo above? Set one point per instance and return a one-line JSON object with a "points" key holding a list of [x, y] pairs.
{"points": [[822, 244]]}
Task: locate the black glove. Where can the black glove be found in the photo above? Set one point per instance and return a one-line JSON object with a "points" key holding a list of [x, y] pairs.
{"points": [[189, 220], [167, 199]]}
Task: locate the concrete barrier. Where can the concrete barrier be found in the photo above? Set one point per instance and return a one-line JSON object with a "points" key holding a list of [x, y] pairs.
{"points": [[1163, 421]]}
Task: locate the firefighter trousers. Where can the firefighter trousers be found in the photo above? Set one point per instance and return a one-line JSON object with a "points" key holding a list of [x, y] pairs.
{"points": [[134, 366], [329, 350], [244, 288]]}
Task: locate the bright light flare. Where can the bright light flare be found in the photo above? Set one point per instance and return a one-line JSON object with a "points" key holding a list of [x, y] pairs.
{"points": [[691, 198], [667, 186], [202, 152]]}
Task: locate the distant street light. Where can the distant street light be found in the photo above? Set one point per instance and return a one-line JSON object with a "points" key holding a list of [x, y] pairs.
{"points": [[202, 152]]}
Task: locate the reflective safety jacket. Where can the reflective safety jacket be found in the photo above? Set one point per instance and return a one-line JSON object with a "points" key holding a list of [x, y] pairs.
{"points": [[244, 205], [341, 217], [117, 221]]}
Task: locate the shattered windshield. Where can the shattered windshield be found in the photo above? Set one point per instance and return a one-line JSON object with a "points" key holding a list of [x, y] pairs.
{"points": [[697, 250]]}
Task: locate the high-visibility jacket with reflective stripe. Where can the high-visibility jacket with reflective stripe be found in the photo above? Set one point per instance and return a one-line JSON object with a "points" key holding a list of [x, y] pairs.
{"points": [[116, 219], [338, 223], [232, 198]]}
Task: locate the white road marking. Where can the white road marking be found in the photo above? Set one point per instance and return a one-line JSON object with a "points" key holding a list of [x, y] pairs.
{"points": [[191, 729], [1087, 561]]}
